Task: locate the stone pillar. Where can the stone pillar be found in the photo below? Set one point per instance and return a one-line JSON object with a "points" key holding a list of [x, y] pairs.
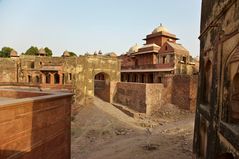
{"points": [[43, 78], [52, 78], [146, 77], [60, 78], [138, 78]]}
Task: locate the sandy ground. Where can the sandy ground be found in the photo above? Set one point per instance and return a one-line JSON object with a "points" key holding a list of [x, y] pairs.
{"points": [[101, 131]]}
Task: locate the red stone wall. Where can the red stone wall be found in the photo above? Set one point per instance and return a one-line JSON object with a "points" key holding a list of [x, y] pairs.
{"points": [[184, 92], [38, 129], [127, 60], [141, 97], [144, 59], [156, 40]]}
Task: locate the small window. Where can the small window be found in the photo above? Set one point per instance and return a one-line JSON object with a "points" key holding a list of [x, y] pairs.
{"points": [[70, 76], [164, 59], [166, 47], [30, 64], [29, 79]]}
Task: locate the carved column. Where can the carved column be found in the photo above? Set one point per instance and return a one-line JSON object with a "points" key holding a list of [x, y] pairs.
{"points": [[52, 78]]}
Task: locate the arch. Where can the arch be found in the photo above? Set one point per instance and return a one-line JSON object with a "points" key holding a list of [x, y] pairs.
{"points": [[102, 86], [231, 87], [37, 79], [29, 79]]}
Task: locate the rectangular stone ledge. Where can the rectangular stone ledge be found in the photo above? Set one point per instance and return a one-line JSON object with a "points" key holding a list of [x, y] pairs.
{"points": [[42, 96]]}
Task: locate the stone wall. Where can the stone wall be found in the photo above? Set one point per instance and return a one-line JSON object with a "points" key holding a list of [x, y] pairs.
{"points": [[218, 99], [184, 92], [79, 72], [141, 97], [8, 70], [29, 130]]}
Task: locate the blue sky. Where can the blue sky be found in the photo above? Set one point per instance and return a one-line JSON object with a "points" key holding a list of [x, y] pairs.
{"points": [[89, 25]]}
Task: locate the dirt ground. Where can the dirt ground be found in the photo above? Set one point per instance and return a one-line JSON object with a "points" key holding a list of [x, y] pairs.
{"points": [[101, 131]]}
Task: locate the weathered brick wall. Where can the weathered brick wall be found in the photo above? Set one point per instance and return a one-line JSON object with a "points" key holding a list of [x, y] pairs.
{"points": [[184, 91], [8, 70], [141, 97], [132, 95], [36, 129], [167, 90], [154, 95]]}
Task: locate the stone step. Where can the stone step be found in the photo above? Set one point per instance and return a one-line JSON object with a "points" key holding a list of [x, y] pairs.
{"points": [[128, 111]]}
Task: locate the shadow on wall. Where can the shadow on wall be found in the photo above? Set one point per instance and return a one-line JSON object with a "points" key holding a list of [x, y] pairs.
{"points": [[36, 129], [226, 156], [102, 86]]}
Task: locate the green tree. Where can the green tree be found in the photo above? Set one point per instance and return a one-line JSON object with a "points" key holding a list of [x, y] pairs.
{"points": [[48, 51], [5, 52], [32, 51]]}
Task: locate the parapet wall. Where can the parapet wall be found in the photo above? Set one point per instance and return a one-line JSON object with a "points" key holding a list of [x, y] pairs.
{"points": [[36, 127], [147, 98]]}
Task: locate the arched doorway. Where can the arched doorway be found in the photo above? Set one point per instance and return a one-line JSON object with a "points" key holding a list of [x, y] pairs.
{"points": [[56, 78], [102, 86], [37, 79]]}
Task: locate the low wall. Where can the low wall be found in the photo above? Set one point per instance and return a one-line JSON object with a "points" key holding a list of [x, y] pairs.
{"points": [[141, 97], [180, 90], [184, 92], [36, 127]]}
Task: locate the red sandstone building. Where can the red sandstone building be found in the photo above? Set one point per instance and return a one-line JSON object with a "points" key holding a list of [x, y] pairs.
{"points": [[160, 56]]}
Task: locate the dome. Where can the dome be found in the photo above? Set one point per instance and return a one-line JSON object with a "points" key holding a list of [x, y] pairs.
{"points": [[42, 51], [66, 54], [13, 53], [160, 28], [111, 54], [134, 49]]}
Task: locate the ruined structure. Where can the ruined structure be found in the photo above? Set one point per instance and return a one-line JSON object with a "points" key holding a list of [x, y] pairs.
{"points": [[160, 56], [72, 73], [217, 115]]}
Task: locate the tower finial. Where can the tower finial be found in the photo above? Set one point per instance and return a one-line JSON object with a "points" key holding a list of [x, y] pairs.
{"points": [[161, 24]]}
